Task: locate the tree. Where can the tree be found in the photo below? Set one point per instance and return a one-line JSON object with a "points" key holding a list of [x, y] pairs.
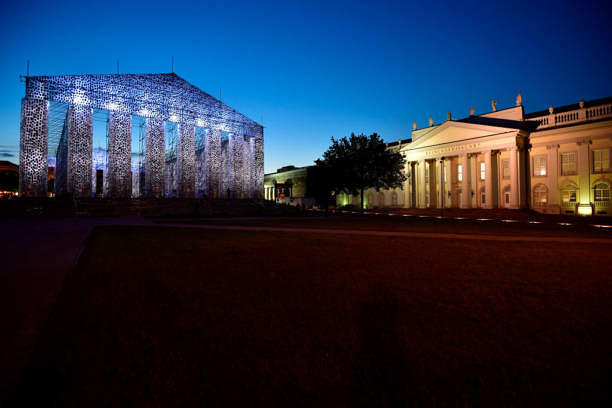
{"points": [[360, 162]]}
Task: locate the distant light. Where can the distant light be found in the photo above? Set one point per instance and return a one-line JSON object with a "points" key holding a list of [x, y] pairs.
{"points": [[174, 118], [535, 222], [565, 224], [80, 99], [602, 226], [509, 221], [483, 219], [585, 209], [407, 215], [439, 216], [460, 218]]}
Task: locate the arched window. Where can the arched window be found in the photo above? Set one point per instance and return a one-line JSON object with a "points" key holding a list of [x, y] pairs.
{"points": [[601, 192], [540, 196], [569, 193], [381, 199], [483, 196], [394, 199]]}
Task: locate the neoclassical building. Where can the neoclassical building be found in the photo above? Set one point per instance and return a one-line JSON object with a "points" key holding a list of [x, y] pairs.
{"points": [[554, 161]]}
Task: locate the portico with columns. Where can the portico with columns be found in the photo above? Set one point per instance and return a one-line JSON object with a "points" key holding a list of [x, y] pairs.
{"points": [[230, 154], [459, 164], [552, 161]]}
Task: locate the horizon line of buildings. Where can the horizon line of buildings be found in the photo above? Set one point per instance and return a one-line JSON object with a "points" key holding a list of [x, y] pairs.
{"points": [[554, 161]]}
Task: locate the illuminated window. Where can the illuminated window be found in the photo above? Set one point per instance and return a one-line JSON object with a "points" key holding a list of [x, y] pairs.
{"points": [[568, 196], [483, 196], [506, 169], [601, 192], [601, 161], [482, 170], [507, 195], [459, 172], [568, 163], [539, 165], [540, 196]]}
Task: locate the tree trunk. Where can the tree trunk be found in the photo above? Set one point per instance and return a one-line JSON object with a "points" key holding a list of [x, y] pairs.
{"points": [[361, 209]]}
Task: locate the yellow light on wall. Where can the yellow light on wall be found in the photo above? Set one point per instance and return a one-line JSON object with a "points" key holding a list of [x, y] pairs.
{"points": [[585, 209]]}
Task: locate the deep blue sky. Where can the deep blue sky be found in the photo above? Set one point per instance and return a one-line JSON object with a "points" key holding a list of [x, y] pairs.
{"points": [[309, 71]]}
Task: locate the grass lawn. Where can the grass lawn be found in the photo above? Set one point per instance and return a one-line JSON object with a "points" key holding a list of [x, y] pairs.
{"points": [[172, 316]]}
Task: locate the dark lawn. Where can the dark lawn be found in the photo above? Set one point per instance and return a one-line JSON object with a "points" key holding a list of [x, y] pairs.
{"points": [[169, 316]]}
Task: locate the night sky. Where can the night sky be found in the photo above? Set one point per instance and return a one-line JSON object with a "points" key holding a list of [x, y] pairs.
{"points": [[309, 71]]}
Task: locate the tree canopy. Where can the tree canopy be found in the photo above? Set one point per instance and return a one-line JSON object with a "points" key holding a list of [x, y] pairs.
{"points": [[360, 162]]}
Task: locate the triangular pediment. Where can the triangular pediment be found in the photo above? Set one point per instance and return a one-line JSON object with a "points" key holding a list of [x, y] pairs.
{"points": [[456, 132]]}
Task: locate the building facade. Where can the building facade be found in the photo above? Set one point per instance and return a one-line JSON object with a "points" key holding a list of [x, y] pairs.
{"points": [[553, 161], [164, 138], [292, 185]]}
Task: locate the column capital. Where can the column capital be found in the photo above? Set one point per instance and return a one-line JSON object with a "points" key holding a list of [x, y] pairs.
{"points": [[583, 141]]}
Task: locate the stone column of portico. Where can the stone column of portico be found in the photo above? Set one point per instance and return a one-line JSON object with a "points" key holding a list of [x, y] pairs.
{"points": [[474, 177], [433, 183], [488, 180], [422, 187], [465, 186], [553, 179], [514, 186], [440, 164], [33, 147], [451, 171], [413, 184], [119, 155], [584, 183]]}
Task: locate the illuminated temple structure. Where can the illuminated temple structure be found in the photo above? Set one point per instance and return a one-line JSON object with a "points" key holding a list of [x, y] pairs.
{"points": [[553, 161], [135, 135]]}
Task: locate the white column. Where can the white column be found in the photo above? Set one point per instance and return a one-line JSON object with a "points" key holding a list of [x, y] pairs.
{"points": [[488, 180], [553, 176], [451, 172], [421, 186], [465, 185], [584, 170], [514, 187], [474, 178], [441, 190]]}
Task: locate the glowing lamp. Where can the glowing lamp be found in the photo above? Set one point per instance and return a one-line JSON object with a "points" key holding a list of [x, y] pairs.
{"points": [[80, 100], [585, 209]]}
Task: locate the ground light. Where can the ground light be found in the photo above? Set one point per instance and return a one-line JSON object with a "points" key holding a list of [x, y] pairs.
{"points": [[585, 209]]}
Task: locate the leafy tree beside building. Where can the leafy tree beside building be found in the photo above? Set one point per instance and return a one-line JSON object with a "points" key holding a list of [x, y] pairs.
{"points": [[359, 162]]}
